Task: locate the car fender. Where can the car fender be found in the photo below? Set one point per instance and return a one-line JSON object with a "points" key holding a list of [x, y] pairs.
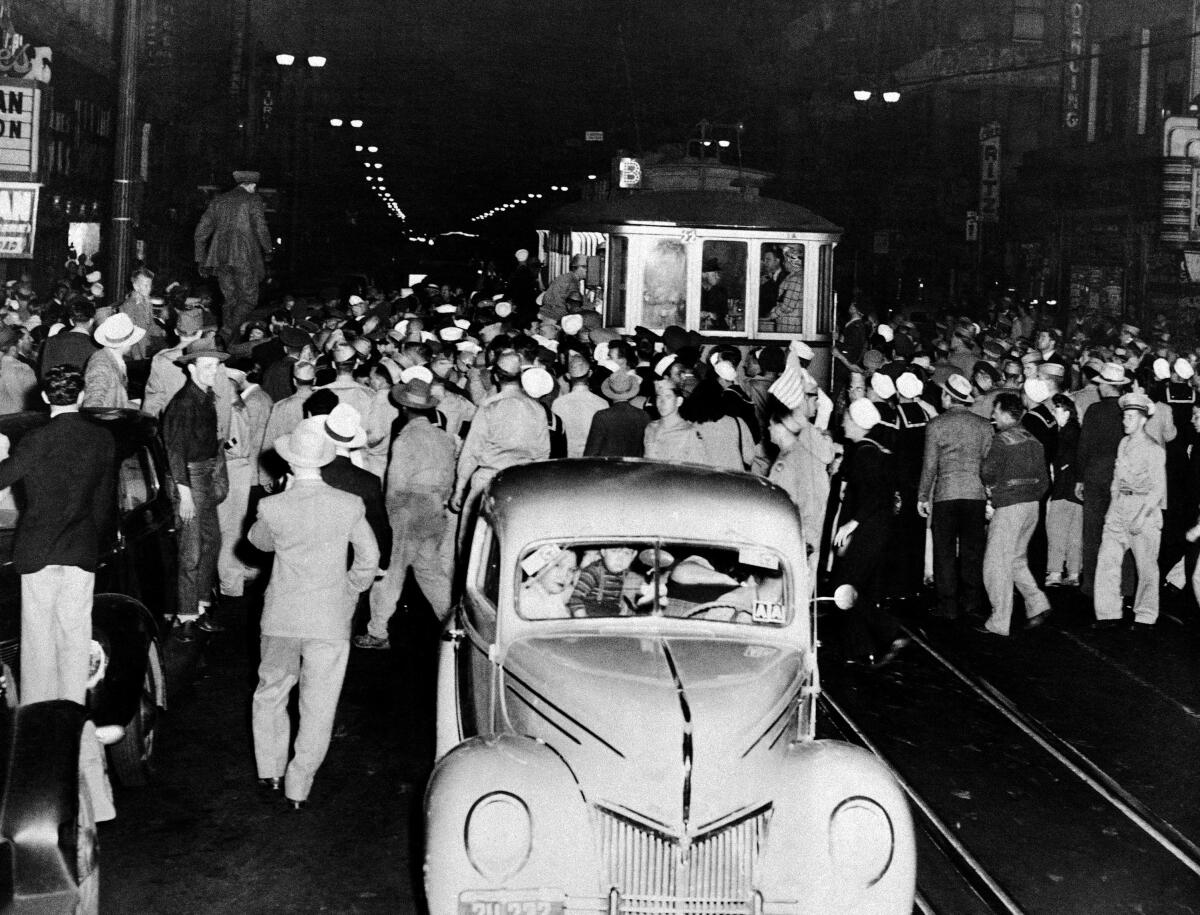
{"points": [[562, 855], [125, 629], [798, 863], [40, 797]]}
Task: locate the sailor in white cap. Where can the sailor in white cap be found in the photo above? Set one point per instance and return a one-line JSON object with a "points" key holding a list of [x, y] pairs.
{"points": [[554, 302], [870, 635], [1134, 519], [908, 541]]}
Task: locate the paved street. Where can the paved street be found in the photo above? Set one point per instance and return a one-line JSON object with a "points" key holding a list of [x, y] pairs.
{"points": [[203, 840]]}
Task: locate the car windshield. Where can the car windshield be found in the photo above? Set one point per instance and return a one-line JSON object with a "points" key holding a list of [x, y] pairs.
{"points": [[714, 582]]}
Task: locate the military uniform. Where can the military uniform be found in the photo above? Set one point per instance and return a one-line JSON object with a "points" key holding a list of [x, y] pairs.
{"points": [[908, 529], [1133, 522]]}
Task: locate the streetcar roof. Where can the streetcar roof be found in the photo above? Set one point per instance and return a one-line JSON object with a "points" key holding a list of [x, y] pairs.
{"points": [[701, 209]]}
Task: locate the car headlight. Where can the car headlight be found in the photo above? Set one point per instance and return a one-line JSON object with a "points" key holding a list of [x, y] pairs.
{"points": [[499, 835], [861, 840]]}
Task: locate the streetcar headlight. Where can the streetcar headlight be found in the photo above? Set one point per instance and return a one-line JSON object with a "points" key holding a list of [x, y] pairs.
{"points": [[499, 835], [861, 841]]}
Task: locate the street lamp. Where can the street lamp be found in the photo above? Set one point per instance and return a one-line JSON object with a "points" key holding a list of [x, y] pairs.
{"points": [[316, 61], [285, 60], [357, 122], [335, 122]]}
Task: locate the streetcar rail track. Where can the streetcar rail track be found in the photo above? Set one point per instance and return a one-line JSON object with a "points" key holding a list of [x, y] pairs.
{"points": [[1163, 832], [991, 893]]}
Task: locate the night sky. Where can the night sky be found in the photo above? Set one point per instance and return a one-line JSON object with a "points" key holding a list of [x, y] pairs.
{"points": [[473, 103]]}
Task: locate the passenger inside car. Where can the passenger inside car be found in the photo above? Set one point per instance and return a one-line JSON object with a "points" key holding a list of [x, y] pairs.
{"points": [[608, 585], [550, 576]]}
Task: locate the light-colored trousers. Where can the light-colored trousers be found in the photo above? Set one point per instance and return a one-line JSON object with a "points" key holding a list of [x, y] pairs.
{"points": [[1006, 564], [319, 666], [231, 517], [423, 538], [1124, 529], [1064, 536], [56, 633]]}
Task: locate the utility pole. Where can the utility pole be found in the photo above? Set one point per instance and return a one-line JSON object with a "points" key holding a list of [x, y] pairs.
{"points": [[122, 201]]}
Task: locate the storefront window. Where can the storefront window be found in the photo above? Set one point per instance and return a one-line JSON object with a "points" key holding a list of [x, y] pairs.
{"points": [[723, 286], [664, 283], [785, 312], [616, 290]]}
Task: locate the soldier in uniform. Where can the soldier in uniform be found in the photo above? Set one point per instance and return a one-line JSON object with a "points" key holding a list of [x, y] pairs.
{"points": [[1134, 519], [1040, 422]]}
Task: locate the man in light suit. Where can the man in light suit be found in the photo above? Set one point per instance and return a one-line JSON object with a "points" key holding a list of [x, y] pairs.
{"points": [[231, 241], [309, 605]]}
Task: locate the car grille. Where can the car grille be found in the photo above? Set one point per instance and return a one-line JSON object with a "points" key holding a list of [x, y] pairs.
{"points": [[654, 874]]}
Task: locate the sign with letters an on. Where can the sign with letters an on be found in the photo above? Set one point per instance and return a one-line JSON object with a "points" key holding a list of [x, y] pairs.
{"points": [[19, 103], [18, 218]]}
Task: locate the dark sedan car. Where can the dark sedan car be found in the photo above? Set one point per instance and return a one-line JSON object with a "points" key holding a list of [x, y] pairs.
{"points": [[134, 592]]}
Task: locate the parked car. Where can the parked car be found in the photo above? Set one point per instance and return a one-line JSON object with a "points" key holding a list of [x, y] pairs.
{"points": [[47, 829], [626, 702], [134, 592]]}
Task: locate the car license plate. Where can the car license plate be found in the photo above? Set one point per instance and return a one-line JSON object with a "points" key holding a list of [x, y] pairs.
{"points": [[511, 902]]}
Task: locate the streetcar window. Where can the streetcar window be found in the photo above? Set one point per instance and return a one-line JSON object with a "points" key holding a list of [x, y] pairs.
{"points": [[617, 289], [825, 290], [781, 301], [664, 283], [723, 286]]}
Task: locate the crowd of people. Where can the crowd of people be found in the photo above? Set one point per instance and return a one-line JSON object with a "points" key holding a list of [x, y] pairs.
{"points": [[988, 459]]}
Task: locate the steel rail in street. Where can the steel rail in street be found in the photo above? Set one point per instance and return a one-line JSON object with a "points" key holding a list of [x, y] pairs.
{"points": [[991, 893], [1166, 835]]}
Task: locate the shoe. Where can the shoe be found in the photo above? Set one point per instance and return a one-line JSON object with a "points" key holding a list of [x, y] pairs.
{"points": [[366, 640], [1071, 581], [297, 805], [1054, 580], [983, 630], [1139, 626], [1036, 620], [1106, 624], [183, 631], [274, 785], [208, 624]]}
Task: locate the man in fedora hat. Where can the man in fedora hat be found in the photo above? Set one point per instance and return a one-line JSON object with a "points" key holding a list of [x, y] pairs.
{"points": [[308, 609], [420, 480], [1100, 435], [554, 300], [168, 376], [193, 446], [105, 381], [1133, 522], [951, 492], [344, 427], [619, 430], [231, 242]]}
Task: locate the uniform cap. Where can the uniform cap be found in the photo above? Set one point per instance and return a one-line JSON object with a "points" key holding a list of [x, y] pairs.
{"points": [[886, 332], [1162, 369], [537, 382], [572, 324], [1184, 369], [1135, 401], [882, 385], [909, 385], [1036, 389], [864, 413], [801, 349]]}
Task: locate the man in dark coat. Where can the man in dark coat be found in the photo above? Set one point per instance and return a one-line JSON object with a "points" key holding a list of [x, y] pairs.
{"points": [[1099, 437], [230, 243], [619, 430]]}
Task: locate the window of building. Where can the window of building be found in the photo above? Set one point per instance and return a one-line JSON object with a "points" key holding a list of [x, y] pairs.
{"points": [[1029, 20], [786, 316], [723, 286]]}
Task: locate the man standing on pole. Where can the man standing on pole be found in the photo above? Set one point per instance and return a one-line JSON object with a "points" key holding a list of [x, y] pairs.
{"points": [[231, 242]]}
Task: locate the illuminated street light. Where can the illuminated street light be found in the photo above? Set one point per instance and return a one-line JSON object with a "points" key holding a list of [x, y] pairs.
{"points": [[379, 165], [358, 148], [530, 196], [335, 122], [862, 95], [372, 149], [891, 97], [591, 177], [285, 60], [724, 144], [539, 196], [316, 61], [357, 122]]}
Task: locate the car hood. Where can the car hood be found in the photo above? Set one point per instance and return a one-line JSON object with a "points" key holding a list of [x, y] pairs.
{"points": [[676, 730]]}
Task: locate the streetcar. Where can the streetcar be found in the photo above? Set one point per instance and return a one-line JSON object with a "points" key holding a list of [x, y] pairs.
{"points": [[655, 253]]}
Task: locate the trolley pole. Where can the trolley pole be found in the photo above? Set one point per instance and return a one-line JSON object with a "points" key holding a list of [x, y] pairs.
{"points": [[122, 200]]}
